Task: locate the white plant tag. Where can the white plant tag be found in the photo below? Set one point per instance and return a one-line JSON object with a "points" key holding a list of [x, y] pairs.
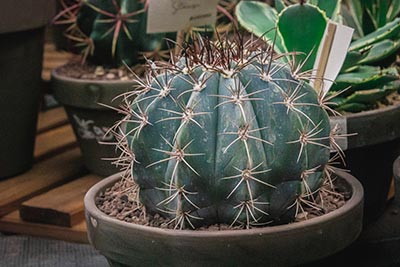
{"points": [[175, 15], [339, 125], [331, 55]]}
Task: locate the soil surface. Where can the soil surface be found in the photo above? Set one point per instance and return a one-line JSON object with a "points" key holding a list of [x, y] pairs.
{"points": [[92, 72], [121, 202]]}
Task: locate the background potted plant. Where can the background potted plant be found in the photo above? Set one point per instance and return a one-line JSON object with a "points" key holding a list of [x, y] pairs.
{"points": [[21, 48], [368, 78], [223, 136], [110, 35]]}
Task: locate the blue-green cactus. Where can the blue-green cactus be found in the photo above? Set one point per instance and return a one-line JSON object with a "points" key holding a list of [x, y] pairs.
{"points": [[226, 135]]}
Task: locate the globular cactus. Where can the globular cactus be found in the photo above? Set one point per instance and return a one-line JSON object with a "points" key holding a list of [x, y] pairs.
{"points": [[111, 32], [226, 134]]}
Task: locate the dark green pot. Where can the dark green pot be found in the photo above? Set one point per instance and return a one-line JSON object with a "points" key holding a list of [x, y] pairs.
{"points": [[128, 244], [89, 119], [371, 153], [21, 53]]}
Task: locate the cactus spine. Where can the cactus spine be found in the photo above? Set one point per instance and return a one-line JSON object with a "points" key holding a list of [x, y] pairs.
{"points": [[225, 134]]}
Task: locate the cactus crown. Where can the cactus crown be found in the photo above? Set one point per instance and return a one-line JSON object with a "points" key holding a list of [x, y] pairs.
{"points": [[225, 134]]}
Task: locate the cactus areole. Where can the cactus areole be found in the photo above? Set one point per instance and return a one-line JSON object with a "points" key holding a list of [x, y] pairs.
{"points": [[228, 134]]}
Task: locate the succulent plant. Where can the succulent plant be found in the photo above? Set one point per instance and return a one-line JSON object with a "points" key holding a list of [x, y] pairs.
{"points": [[365, 84], [226, 133], [367, 16], [111, 32], [377, 32]]}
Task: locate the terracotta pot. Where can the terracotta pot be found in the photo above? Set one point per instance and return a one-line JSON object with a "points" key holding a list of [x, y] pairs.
{"points": [[89, 119], [128, 244], [371, 153], [21, 53]]}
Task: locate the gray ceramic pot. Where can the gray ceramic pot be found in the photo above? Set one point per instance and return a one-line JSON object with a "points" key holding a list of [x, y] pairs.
{"points": [[89, 119], [127, 244], [22, 31], [371, 153]]}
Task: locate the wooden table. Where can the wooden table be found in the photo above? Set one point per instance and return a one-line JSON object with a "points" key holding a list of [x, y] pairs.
{"points": [[47, 200]]}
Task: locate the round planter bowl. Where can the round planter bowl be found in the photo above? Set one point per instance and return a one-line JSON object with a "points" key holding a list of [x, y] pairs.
{"points": [[371, 153], [127, 244], [90, 120]]}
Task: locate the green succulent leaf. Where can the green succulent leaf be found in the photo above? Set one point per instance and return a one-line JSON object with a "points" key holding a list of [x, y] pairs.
{"points": [[380, 50], [382, 9], [313, 2], [259, 19], [388, 31], [368, 96], [364, 99], [351, 61], [353, 107], [354, 16], [279, 5], [364, 78], [331, 7], [310, 23], [394, 10]]}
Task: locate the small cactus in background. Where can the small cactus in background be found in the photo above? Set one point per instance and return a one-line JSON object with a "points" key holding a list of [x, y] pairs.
{"points": [[226, 133], [365, 83], [111, 32]]}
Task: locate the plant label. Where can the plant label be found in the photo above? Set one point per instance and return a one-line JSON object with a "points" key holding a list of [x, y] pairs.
{"points": [[331, 55], [175, 15]]}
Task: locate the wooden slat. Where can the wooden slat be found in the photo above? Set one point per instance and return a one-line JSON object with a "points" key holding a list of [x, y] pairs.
{"points": [[61, 206], [12, 223], [49, 47], [48, 66], [42, 177], [54, 141], [51, 119], [50, 56], [52, 59]]}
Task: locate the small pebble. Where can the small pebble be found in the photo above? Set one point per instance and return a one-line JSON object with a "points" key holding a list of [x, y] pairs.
{"points": [[110, 76], [99, 71]]}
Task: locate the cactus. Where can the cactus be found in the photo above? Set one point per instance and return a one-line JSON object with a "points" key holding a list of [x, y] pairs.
{"points": [[225, 134], [369, 47], [111, 32]]}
